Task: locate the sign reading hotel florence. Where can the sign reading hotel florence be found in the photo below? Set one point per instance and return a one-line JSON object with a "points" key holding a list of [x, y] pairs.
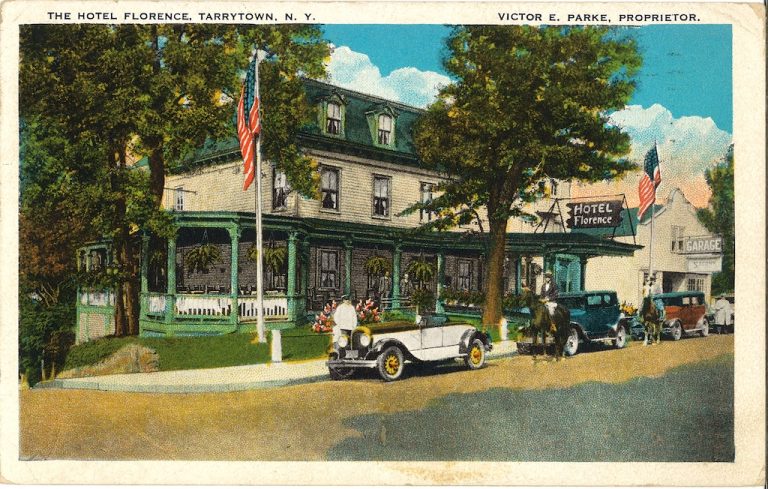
{"points": [[601, 214], [702, 245]]}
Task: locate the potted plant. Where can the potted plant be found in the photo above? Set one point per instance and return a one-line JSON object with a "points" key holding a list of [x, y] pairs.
{"points": [[421, 270], [201, 257], [377, 266], [274, 257]]}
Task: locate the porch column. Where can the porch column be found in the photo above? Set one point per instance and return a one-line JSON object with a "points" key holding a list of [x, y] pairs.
{"points": [[519, 274], [439, 309], [291, 286], [583, 274], [396, 276], [234, 240], [144, 276], [348, 268], [305, 264], [170, 288]]}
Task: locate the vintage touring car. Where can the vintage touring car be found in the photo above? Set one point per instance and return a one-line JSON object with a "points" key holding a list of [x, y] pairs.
{"points": [[685, 313], [595, 318], [388, 347]]}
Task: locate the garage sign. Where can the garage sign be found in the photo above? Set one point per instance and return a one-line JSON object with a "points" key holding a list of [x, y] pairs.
{"points": [[602, 214], [702, 245]]}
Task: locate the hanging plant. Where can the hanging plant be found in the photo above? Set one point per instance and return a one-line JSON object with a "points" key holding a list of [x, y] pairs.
{"points": [[421, 270], [274, 258], [200, 258], [377, 265]]}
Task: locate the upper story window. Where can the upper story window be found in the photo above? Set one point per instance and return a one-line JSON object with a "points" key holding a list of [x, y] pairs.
{"points": [[178, 199], [385, 130], [553, 187], [381, 196], [677, 237], [425, 197], [333, 118], [280, 189], [329, 188]]}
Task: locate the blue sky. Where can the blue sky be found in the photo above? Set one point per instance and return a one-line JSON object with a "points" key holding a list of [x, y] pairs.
{"points": [[683, 99]]}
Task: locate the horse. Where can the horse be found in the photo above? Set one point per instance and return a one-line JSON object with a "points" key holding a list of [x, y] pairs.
{"points": [[651, 319], [542, 323]]}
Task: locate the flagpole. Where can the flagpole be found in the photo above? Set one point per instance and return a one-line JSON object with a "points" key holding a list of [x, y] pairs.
{"points": [[653, 209], [259, 232]]}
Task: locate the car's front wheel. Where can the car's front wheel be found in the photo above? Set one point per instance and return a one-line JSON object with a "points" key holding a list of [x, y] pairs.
{"points": [[339, 373], [390, 363], [475, 358], [677, 331], [572, 343], [621, 337], [704, 327]]}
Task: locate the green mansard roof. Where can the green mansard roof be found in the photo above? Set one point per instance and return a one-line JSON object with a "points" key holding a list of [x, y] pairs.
{"points": [[358, 134]]}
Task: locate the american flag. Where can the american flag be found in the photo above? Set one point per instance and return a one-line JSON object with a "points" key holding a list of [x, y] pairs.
{"points": [[649, 182], [249, 128]]}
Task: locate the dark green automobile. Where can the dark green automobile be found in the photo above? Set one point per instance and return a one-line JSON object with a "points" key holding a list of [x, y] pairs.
{"points": [[595, 318]]}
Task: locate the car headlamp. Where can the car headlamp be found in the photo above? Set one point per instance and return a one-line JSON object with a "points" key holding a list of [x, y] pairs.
{"points": [[343, 341], [365, 340]]}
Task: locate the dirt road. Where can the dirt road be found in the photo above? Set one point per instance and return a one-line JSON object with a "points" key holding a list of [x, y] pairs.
{"points": [[303, 422]]}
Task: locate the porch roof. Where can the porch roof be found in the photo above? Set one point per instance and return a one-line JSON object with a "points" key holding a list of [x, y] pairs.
{"points": [[522, 243]]}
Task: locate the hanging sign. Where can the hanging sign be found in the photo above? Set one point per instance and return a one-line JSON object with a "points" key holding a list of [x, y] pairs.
{"points": [[702, 245], [601, 214], [704, 265]]}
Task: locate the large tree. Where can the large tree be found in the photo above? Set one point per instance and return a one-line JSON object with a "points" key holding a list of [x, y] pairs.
{"points": [[161, 91], [526, 103], [719, 218]]}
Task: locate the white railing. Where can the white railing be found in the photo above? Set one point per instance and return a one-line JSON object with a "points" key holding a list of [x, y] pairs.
{"points": [[196, 305], [273, 307], [156, 303], [102, 299]]}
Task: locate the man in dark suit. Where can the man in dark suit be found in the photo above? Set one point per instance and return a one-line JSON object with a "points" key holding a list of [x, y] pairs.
{"points": [[549, 292]]}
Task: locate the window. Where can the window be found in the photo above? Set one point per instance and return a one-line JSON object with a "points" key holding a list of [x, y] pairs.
{"points": [[329, 188], [677, 238], [553, 187], [465, 275], [594, 300], [425, 198], [333, 119], [695, 284], [385, 129], [381, 196], [178, 199], [280, 189], [329, 269]]}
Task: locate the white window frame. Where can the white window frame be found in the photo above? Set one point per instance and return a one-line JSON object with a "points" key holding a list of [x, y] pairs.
{"points": [[333, 118], [425, 188], [178, 199], [278, 176], [384, 129], [323, 189], [387, 197]]}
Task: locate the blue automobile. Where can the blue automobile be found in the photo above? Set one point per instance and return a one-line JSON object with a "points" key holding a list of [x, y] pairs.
{"points": [[595, 318]]}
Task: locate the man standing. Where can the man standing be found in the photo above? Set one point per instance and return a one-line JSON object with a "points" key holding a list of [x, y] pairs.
{"points": [[384, 286], [723, 313]]}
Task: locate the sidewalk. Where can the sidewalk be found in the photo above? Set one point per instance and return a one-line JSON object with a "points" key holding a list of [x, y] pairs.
{"points": [[227, 379]]}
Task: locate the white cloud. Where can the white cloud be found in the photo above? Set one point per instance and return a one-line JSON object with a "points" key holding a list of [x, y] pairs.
{"points": [[687, 147], [353, 70]]}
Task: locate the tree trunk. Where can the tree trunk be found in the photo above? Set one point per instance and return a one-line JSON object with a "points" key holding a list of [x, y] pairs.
{"points": [[492, 313], [132, 305], [157, 175], [120, 323]]}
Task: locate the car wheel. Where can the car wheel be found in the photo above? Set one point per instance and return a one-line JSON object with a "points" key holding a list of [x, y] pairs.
{"points": [[704, 327], [390, 363], [475, 358], [339, 373], [572, 343], [621, 337], [677, 331]]}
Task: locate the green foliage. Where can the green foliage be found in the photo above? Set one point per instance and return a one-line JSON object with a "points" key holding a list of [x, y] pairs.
{"points": [[464, 297], [527, 103], [201, 257], [423, 299], [38, 326], [719, 218], [421, 270], [274, 257], [377, 265]]}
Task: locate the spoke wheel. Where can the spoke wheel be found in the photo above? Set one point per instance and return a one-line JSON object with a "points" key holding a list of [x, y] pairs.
{"points": [[621, 337], [704, 327], [475, 358], [677, 331], [572, 344], [390, 363]]}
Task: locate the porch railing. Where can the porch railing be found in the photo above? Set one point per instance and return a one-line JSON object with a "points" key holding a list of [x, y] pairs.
{"points": [[200, 305], [97, 298], [274, 307], [193, 305]]}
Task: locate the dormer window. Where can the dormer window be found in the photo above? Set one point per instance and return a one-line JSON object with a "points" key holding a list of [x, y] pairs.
{"points": [[333, 119], [385, 129]]}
